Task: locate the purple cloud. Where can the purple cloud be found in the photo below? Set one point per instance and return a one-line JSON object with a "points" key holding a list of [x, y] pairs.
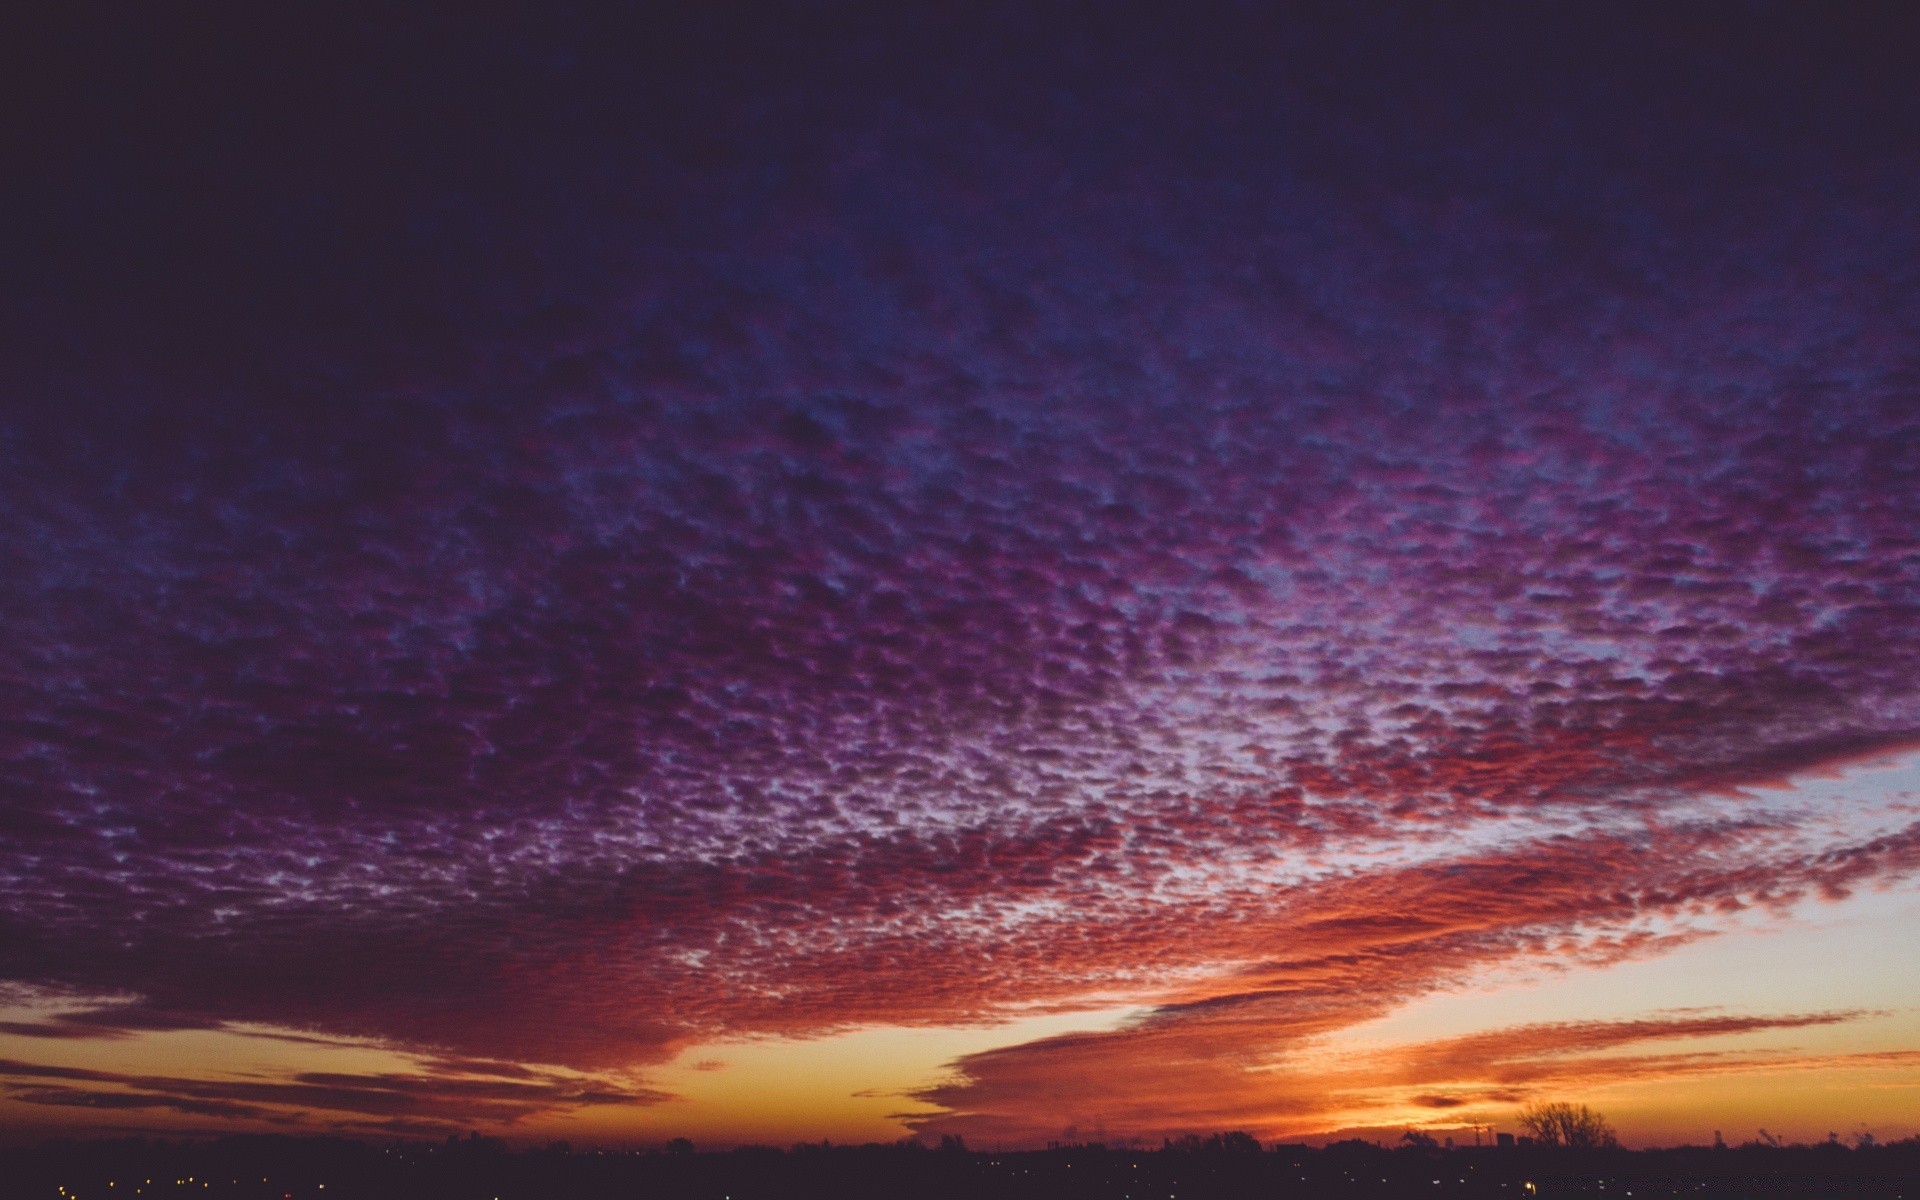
{"points": [[913, 539]]}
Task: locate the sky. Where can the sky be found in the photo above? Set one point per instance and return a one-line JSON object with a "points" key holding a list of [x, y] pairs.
{"points": [[1033, 572]]}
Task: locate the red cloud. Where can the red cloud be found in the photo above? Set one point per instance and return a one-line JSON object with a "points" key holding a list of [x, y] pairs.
{"points": [[715, 555]]}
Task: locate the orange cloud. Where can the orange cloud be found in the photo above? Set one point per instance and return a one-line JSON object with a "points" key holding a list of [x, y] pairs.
{"points": [[1257, 1072]]}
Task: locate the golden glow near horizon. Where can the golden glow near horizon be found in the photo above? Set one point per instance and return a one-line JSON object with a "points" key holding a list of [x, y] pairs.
{"points": [[850, 1087]]}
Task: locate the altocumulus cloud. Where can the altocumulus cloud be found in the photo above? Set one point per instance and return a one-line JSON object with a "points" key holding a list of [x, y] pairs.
{"points": [[597, 538]]}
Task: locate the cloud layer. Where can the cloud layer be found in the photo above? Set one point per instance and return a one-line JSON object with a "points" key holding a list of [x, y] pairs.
{"points": [[431, 1101], [605, 538]]}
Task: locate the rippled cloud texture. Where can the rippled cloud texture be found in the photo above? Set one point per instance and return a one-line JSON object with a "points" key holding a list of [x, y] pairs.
{"points": [[558, 544]]}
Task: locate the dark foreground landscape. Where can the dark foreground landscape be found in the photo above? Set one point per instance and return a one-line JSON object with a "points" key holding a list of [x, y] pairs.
{"points": [[257, 1168]]}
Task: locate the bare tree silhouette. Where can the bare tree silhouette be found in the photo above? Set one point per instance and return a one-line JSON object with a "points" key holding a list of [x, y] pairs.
{"points": [[1574, 1126]]}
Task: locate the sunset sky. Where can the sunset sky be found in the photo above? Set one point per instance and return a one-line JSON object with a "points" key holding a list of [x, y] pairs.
{"points": [[1029, 571]]}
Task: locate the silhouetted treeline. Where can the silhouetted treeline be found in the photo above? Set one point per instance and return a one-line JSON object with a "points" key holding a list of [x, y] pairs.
{"points": [[1224, 1167]]}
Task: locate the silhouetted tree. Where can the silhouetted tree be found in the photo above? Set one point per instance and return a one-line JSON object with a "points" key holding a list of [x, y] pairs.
{"points": [[1574, 1126]]}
